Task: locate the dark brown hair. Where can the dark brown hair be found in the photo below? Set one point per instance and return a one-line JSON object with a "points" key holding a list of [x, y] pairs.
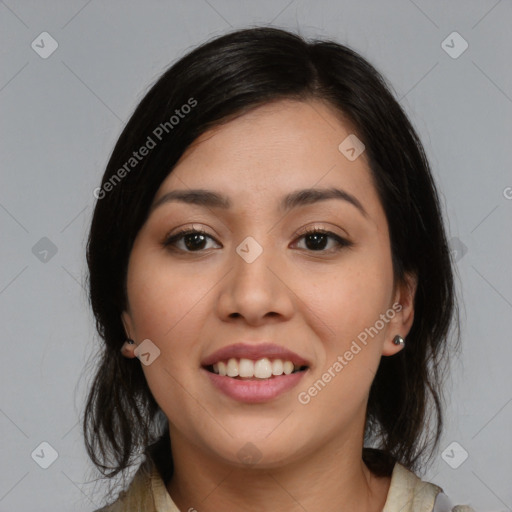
{"points": [[225, 78]]}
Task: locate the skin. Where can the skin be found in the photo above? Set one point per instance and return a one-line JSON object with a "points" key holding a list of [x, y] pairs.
{"points": [[313, 301]]}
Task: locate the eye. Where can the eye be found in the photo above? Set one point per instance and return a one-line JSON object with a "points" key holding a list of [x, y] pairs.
{"points": [[188, 240], [317, 240]]}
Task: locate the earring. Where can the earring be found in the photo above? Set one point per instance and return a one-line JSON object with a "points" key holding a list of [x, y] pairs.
{"points": [[398, 340]]}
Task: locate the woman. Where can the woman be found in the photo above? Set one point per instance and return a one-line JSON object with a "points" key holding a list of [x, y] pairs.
{"points": [[268, 243]]}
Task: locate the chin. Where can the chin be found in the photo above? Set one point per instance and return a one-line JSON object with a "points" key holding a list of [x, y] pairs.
{"points": [[256, 452]]}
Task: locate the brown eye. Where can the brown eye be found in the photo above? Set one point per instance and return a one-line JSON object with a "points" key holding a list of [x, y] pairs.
{"points": [[189, 240], [317, 240]]}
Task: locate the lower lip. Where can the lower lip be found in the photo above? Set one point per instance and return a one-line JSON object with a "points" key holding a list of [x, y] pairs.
{"points": [[255, 391]]}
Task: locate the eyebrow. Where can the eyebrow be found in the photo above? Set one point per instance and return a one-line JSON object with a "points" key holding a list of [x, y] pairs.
{"points": [[210, 199]]}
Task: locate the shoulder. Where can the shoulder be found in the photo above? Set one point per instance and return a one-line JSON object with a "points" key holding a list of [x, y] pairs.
{"points": [[408, 493], [138, 496], [147, 492]]}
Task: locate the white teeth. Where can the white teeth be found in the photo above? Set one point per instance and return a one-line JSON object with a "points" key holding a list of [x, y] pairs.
{"points": [[261, 369], [277, 367], [232, 368], [246, 368], [222, 368], [288, 367]]}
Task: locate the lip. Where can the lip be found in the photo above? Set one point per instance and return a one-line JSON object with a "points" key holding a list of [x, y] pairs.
{"points": [[255, 391], [254, 352]]}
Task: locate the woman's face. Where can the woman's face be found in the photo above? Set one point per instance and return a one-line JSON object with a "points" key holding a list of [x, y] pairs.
{"points": [[253, 276]]}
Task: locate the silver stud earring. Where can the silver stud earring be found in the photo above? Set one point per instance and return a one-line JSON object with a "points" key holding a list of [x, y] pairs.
{"points": [[398, 340]]}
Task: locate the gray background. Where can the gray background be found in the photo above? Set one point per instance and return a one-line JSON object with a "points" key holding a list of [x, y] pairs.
{"points": [[61, 116]]}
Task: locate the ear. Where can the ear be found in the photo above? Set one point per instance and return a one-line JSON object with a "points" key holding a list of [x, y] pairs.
{"points": [[403, 306], [127, 324], [128, 350]]}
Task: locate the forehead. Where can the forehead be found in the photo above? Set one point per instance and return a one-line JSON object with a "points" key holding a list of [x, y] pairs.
{"points": [[271, 150]]}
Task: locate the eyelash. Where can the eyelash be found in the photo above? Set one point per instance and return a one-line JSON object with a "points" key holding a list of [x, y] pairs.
{"points": [[342, 243]]}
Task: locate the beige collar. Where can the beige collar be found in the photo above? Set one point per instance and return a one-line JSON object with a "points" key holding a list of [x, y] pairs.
{"points": [[407, 493]]}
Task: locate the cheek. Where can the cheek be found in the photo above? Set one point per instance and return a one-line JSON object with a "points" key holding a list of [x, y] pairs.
{"points": [[343, 309], [352, 297], [161, 298], [166, 305]]}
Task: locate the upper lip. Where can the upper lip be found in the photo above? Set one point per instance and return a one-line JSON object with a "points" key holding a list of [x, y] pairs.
{"points": [[254, 352]]}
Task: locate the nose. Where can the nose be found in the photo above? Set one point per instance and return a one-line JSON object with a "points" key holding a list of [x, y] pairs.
{"points": [[255, 289]]}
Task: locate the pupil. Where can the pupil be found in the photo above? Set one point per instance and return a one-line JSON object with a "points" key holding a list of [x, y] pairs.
{"points": [[315, 237], [196, 237]]}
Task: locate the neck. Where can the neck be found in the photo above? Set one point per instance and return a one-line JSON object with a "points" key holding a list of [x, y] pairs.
{"points": [[332, 478]]}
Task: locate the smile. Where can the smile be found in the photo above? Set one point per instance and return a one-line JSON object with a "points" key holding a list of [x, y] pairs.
{"points": [[263, 368], [251, 389]]}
